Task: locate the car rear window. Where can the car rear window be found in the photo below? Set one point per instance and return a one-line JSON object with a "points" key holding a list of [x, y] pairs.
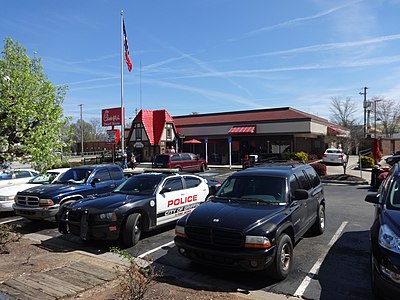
{"points": [[333, 151]]}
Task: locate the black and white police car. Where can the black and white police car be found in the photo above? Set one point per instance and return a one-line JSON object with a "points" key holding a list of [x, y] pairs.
{"points": [[141, 203]]}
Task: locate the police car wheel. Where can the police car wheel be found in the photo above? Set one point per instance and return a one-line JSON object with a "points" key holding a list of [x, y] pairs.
{"points": [[132, 230]]}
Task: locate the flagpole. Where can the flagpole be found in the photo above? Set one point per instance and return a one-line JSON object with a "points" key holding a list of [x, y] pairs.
{"points": [[122, 89]]}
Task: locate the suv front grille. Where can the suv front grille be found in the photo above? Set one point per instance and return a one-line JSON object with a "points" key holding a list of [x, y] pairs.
{"points": [[217, 237], [28, 200]]}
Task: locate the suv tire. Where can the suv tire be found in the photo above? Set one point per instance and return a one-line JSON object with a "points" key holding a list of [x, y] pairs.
{"points": [[283, 258], [132, 230], [319, 226]]}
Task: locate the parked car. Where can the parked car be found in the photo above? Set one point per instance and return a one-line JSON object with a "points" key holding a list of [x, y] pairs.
{"points": [[142, 203], [188, 162], [334, 156], [44, 202], [8, 193], [16, 176], [385, 237], [255, 219]]}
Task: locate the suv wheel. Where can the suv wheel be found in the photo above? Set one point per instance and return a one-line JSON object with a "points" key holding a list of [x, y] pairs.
{"points": [[319, 226], [132, 230], [283, 258], [202, 168]]}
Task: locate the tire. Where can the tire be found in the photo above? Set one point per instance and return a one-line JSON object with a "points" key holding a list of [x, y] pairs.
{"points": [[318, 227], [179, 169], [132, 230], [283, 258], [202, 168], [61, 209]]}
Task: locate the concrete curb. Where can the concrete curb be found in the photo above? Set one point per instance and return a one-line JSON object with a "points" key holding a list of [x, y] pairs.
{"points": [[345, 182]]}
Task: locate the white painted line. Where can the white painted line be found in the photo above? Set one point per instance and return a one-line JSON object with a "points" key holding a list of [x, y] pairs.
{"points": [[9, 221], [155, 249], [314, 270]]}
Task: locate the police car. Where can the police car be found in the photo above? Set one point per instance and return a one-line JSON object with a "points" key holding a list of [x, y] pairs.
{"points": [[141, 203]]}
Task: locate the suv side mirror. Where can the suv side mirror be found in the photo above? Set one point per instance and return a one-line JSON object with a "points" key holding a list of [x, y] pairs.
{"points": [[165, 190], [213, 189], [94, 181], [372, 198], [300, 194]]}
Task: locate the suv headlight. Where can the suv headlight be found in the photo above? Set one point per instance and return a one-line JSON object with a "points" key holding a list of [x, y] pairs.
{"points": [[46, 202], [388, 239], [180, 231], [256, 241]]}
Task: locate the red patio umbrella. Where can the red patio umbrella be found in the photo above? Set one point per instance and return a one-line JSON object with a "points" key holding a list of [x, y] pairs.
{"points": [[193, 142]]}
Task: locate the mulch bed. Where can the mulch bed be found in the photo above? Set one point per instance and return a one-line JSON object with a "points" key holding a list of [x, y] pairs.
{"points": [[344, 177]]}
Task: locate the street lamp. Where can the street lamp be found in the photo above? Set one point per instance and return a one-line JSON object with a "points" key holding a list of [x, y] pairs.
{"points": [[375, 101]]}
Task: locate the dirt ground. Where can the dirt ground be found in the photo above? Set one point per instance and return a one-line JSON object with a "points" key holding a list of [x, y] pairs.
{"points": [[26, 257]]}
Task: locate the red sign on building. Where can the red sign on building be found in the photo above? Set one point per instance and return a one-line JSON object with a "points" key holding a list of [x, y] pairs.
{"points": [[111, 116]]}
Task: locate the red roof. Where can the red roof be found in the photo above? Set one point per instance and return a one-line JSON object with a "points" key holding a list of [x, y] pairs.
{"points": [[153, 122], [242, 129], [272, 114]]}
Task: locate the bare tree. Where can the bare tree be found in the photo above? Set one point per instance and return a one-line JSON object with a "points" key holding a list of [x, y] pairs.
{"points": [[389, 114], [98, 131], [343, 112]]}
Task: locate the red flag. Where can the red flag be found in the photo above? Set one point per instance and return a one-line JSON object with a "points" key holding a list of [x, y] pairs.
{"points": [[127, 59]]}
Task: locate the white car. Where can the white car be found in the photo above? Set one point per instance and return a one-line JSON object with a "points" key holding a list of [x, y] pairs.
{"points": [[8, 193], [334, 156], [16, 176]]}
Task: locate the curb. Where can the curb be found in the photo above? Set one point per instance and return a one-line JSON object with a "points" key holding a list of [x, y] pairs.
{"points": [[346, 182]]}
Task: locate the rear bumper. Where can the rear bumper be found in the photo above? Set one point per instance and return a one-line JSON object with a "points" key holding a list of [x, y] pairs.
{"points": [[36, 213], [238, 259]]}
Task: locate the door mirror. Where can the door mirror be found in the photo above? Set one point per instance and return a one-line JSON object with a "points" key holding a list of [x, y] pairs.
{"points": [[165, 190], [300, 194], [94, 181], [372, 198], [213, 189]]}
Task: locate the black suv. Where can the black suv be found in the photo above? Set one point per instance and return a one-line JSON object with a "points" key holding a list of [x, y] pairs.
{"points": [[255, 219], [385, 237]]}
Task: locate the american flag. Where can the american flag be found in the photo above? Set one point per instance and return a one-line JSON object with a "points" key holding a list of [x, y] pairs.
{"points": [[127, 59]]}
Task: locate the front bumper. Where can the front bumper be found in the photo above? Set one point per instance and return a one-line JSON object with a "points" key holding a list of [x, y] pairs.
{"points": [[36, 213], [386, 268], [239, 259], [6, 206], [87, 231]]}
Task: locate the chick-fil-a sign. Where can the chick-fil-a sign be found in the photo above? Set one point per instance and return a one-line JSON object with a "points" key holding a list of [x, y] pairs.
{"points": [[111, 116]]}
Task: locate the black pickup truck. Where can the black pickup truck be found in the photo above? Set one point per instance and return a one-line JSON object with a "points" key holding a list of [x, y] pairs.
{"points": [[255, 219], [44, 202]]}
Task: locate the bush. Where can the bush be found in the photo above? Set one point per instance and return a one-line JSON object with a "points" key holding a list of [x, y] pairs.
{"points": [[312, 157], [319, 168], [286, 156], [301, 156], [367, 162]]}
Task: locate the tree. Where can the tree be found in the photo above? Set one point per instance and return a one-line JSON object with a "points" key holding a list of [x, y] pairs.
{"points": [[389, 114], [343, 112], [31, 115]]}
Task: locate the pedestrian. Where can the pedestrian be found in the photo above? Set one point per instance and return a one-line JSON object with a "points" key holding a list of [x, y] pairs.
{"points": [[133, 160], [172, 149], [124, 161], [167, 150]]}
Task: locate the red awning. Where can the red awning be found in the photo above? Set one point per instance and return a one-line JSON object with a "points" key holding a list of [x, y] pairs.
{"points": [[242, 129], [335, 131]]}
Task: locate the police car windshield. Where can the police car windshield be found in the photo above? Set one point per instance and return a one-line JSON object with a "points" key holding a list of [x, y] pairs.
{"points": [[139, 185], [253, 189]]}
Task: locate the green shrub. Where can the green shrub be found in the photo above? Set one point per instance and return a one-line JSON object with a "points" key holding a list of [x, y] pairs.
{"points": [[367, 162], [319, 168], [301, 156], [286, 155]]}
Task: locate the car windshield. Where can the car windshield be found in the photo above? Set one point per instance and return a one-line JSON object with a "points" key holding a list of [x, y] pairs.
{"points": [[45, 178], [75, 176], [139, 185], [394, 194], [253, 188]]}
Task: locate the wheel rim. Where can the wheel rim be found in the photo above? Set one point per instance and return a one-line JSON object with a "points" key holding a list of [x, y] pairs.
{"points": [[322, 218], [285, 257]]}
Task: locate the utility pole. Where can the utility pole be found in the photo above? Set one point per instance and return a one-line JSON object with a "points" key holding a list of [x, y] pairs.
{"points": [[365, 105], [81, 105]]}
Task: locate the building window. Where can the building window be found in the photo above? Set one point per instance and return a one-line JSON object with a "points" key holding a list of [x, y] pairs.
{"points": [[168, 132], [138, 131]]}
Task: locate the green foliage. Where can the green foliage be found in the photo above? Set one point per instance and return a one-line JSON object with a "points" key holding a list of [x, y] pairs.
{"points": [[367, 162], [31, 116], [137, 278]]}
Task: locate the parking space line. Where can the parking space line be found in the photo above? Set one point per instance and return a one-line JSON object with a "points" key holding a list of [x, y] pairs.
{"points": [[155, 249], [314, 270], [9, 221]]}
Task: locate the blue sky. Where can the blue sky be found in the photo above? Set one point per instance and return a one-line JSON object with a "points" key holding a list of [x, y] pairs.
{"points": [[212, 55]]}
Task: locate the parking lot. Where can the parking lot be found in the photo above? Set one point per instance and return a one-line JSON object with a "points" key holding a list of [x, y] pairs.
{"points": [[334, 265]]}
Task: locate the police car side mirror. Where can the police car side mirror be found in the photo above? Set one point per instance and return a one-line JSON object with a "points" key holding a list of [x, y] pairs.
{"points": [[165, 190], [300, 194], [94, 181]]}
